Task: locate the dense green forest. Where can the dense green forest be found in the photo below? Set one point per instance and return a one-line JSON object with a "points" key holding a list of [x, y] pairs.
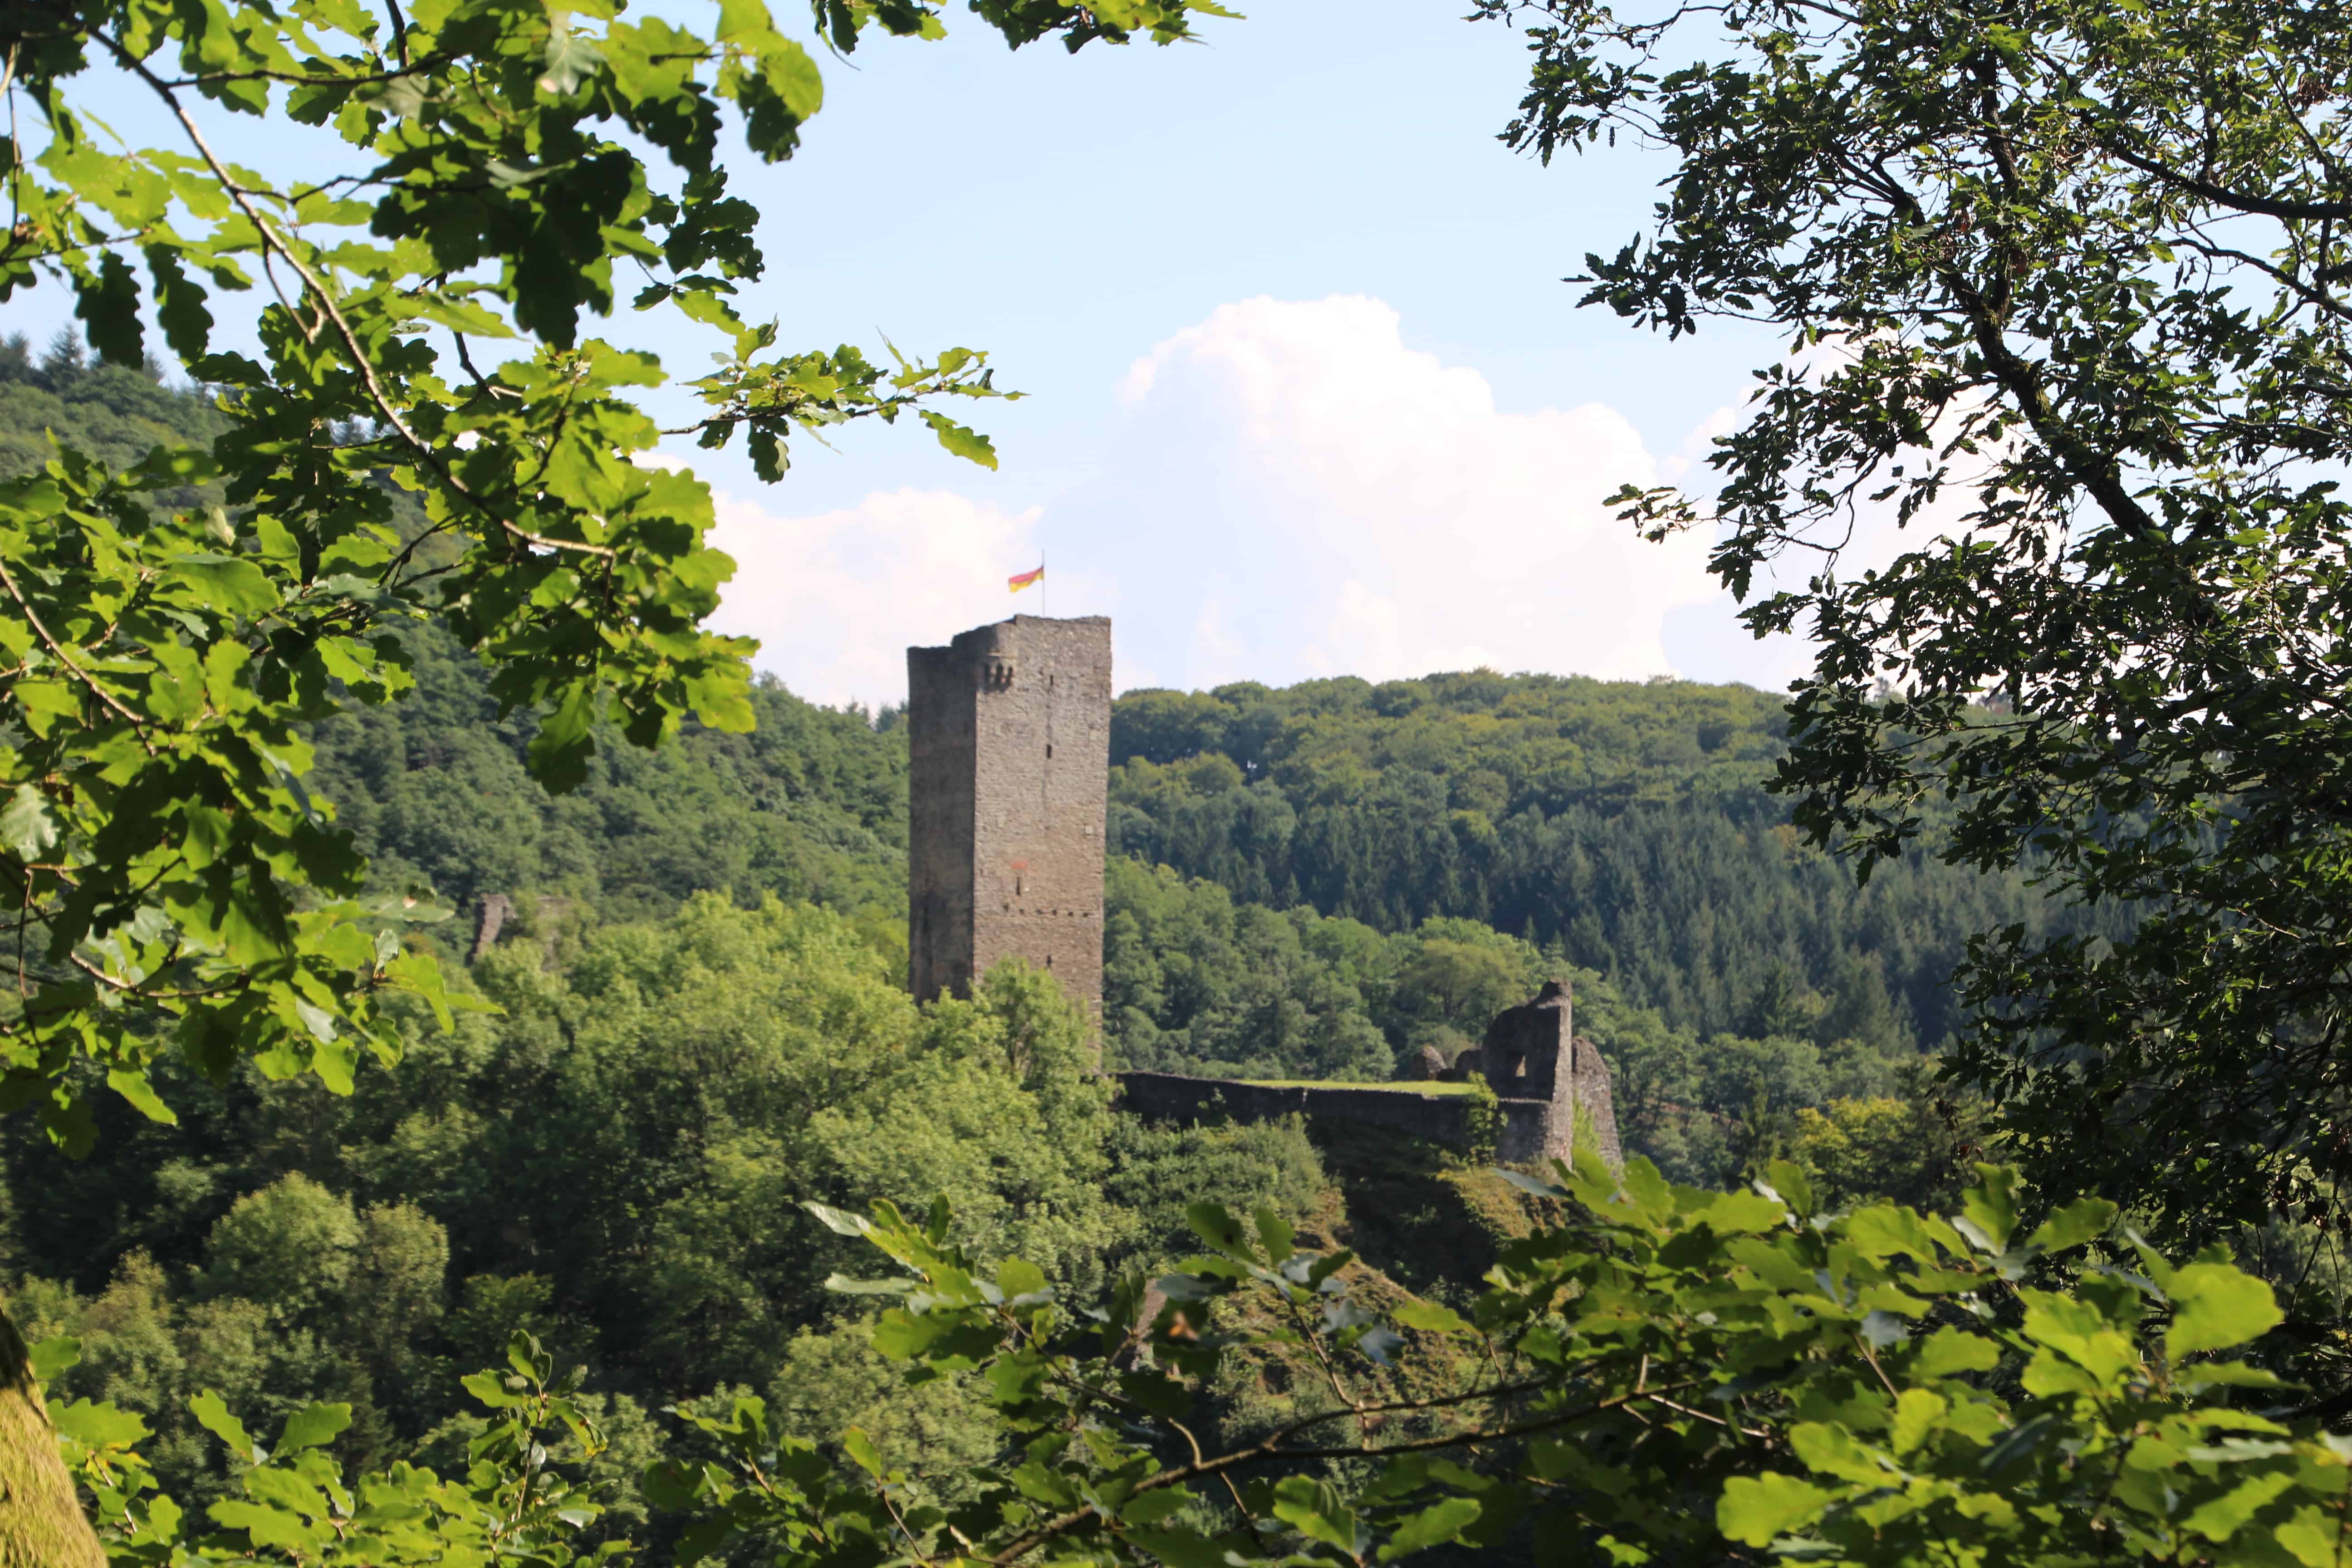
{"points": [[696, 1019], [1311, 882], [614, 1159], [1624, 826]]}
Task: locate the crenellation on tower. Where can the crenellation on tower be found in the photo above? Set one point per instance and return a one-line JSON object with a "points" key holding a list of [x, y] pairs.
{"points": [[1009, 768]]}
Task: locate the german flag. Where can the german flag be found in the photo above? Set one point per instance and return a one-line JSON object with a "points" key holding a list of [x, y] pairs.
{"points": [[1026, 578]]}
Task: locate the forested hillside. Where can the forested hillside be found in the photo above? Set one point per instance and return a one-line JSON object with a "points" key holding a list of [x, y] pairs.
{"points": [[1622, 827], [1309, 882], [811, 806], [697, 1019], [1626, 825]]}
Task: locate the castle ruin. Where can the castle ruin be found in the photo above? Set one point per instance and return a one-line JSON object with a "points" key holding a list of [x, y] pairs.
{"points": [[1546, 1078], [1533, 1053], [1008, 733]]}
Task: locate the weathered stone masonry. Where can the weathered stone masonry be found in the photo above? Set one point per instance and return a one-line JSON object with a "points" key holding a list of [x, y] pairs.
{"points": [[1009, 756], [1533, 1053], [1440, 1119], [1541, 1071]]}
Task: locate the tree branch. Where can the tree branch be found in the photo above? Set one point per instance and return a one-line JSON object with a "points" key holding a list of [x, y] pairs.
{"points": [[319, 292], [1271, 1448]]}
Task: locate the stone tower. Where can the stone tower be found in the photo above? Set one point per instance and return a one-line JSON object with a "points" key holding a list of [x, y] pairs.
{"points": [[1532, 1055], [1008, 732]]}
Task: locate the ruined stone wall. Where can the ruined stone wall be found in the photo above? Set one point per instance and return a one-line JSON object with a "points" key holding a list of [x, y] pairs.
{"points": [[1009, 758], [1440, 1119], [1533, 1052], [1521, 1057], [1589, 1075], [1542, 1072]]}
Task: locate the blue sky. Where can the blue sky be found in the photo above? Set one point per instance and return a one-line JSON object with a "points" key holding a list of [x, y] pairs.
{"points": [[1307, 396], [1306, 393]]}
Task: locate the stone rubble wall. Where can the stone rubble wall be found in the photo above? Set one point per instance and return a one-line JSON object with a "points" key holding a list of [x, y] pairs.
{"points": [[1527, 1135], [1590, 1076]]}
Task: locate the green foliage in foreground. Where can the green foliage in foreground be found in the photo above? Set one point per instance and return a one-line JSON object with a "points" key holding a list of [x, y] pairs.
{"points": [[1671, 1375], [436, 789], [1679, 1369], [508, 1506]]}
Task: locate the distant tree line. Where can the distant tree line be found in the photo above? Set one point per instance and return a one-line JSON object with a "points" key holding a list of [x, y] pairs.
{"points": [[1623, 824]]}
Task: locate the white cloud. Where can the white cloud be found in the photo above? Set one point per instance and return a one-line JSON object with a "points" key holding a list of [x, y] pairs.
{"points": [[835, 600], [1285, 491], [1366, 509]]}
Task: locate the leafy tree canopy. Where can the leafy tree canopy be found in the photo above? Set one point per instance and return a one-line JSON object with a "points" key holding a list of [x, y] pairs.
{"points": [[1683, 1377], [612, 1160], [2061, 288]]}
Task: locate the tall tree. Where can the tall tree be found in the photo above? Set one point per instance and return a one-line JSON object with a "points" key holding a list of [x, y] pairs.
{"points": [[176, 887], [2063, 287]]}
